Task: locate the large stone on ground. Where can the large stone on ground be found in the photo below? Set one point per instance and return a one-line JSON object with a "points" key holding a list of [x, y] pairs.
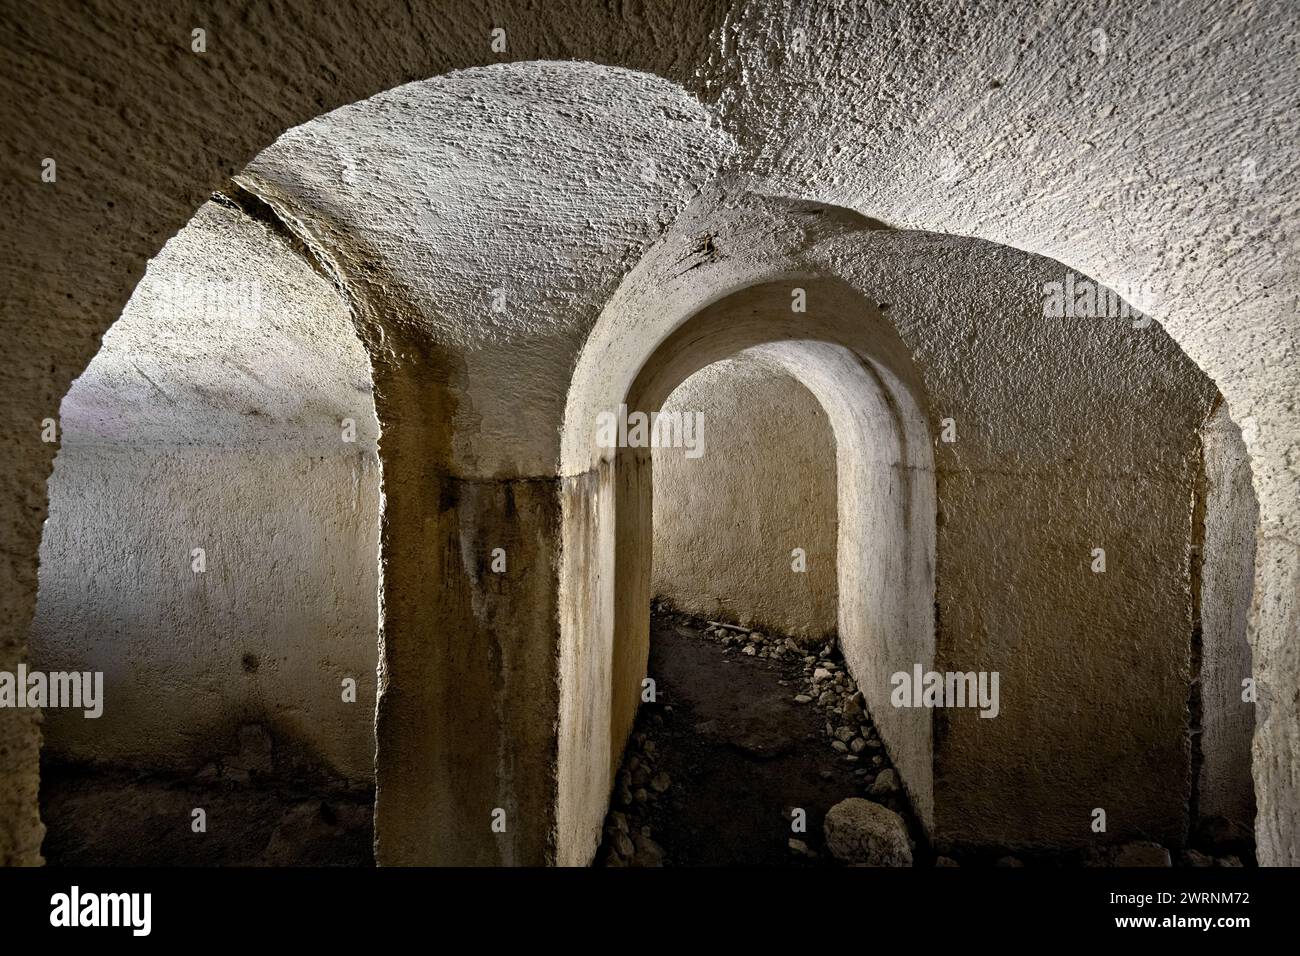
{"points": [[866, 834], [648, 852]]}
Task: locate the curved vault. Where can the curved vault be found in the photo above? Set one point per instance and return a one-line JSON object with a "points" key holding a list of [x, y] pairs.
{"points": [[1221, 262]]}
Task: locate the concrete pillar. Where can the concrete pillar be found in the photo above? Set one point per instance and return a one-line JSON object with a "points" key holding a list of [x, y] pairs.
{"points": [[468, 702]]}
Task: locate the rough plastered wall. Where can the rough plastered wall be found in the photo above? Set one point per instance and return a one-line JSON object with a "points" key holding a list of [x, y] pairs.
{"points": [[473, 289], [285, 611], [1069, 434], [725, 523], [1137, 143], [1225, 788], [1095, 451], [213, 418], [850, 359]]}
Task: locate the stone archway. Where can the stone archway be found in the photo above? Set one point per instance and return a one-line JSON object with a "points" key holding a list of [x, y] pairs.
{"points": [[212, 556], [1025, 421], [885, 555], [959, 163]]}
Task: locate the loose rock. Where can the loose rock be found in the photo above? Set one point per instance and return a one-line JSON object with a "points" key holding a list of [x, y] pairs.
{"points": [[648, 852], [886, 783], [863, 833]]}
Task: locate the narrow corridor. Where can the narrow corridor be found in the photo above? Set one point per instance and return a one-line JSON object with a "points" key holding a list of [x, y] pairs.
{"points": [[735, 756]]}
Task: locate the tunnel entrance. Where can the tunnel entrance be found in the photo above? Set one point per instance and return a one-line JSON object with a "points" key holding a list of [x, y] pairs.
{"points": [[853, 554], [750, 728]]}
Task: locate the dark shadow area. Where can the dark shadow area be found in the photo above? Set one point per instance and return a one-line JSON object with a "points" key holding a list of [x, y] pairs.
{"points": [[116, 816], [719, 762]]}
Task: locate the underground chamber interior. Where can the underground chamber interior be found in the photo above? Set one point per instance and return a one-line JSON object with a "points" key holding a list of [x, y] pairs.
{"points": [[900, 480], [213, 550], [989, 556], [211, 553]]}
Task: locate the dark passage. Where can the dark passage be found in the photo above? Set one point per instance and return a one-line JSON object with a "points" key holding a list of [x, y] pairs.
{"points": [[719, 762], [101, 816], [746, 728]]}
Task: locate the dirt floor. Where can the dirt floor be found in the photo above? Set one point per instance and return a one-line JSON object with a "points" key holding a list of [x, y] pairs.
{"points": [[740, 756], [739, 737], [113, 817], [735, 762]]}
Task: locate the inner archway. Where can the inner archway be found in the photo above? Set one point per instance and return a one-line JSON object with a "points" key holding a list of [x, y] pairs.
{"points": [[1045, 466], [849, 357], [729, 762], [745, 523]]}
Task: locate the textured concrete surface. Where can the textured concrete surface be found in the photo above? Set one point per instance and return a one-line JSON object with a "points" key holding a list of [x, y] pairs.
{"points": [[212, 418], [1071, 434], [468, 690], [1162, 156], [285, 611], [725, 523], [1228, 572]]}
